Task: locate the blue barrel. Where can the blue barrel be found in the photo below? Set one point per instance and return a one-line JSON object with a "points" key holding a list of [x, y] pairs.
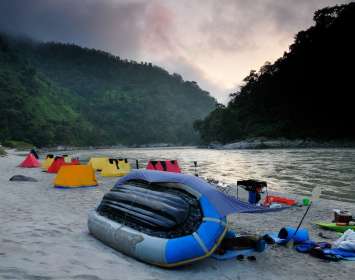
{"points": [[288, 233]]}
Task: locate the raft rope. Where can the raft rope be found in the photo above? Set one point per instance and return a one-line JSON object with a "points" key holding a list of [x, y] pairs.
{"points": [[200, 242], [215, 220]]}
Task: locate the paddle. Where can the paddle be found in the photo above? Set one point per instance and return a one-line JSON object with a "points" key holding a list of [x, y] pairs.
{"points": [[315, 196]]}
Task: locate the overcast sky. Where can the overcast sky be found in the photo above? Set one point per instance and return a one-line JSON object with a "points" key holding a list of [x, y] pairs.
{"points": [[214, 42]]}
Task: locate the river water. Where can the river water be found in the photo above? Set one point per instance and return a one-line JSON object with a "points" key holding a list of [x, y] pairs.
{"points": [[285, 170]]}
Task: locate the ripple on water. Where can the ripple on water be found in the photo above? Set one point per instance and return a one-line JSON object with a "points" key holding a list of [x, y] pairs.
{"points": [[286, 170]]}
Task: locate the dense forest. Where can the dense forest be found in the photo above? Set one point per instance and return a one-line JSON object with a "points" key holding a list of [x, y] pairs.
{"points": [[307, 93], [63, 94]]}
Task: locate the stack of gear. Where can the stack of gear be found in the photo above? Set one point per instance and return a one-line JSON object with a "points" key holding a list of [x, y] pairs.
{"points": [[342, 249], [236, 246], [254, 188], [342, 218]]}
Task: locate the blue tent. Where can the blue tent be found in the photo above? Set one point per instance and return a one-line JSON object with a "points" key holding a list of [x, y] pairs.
{"points": [[223, 203]]}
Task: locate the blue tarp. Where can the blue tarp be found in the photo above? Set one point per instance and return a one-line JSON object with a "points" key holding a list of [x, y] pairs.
{"points": [[223, 203]]}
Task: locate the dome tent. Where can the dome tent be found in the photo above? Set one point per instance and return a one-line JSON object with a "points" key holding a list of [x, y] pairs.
{"points": [[67, 159], [33, 152], [75, 176], [58, 163], [116, 167], [164, 165], [98, 163], [47, 162], [30, 162]]}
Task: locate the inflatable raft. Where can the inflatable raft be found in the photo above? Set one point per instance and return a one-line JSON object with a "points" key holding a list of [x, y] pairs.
{"points": [[164, 218], [166, 224]]}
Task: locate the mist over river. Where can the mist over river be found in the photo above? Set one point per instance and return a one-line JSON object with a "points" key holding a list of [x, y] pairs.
{"points": [[285, 170]]}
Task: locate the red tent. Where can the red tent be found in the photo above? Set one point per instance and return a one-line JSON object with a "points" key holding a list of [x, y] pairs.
{"points": [[154, 165], [30, 161], [75, 161], [173, 166], [58, 162], [167, 165]]}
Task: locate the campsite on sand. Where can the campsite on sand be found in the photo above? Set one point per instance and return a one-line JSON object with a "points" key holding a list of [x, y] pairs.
{"points": [[44, 234]]}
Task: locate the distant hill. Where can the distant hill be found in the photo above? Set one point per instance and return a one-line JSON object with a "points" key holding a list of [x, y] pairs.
{"points": [[307, 93], [63, 94]]}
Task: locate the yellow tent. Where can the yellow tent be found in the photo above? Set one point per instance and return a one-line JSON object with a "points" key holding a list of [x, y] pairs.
{"points": [[47, 162], [75, 176], [98, 163], [67, 159], [116, 167]]}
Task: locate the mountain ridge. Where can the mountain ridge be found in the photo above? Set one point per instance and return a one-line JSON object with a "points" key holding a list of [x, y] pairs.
{"points": [[111, 101]]}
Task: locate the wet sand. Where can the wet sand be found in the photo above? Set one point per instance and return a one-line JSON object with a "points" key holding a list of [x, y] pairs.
{"points": [[43, 235]]}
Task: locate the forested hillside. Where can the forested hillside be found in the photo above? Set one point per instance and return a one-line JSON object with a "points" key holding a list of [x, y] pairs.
{"points": [[32, 108], [52, 93], [307, 93]]}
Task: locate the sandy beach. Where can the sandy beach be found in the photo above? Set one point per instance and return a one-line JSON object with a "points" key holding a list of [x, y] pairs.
{"points": [[44, 235]]}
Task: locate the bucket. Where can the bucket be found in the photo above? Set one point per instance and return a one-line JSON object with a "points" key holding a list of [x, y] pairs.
{"points": [[287, 233]]}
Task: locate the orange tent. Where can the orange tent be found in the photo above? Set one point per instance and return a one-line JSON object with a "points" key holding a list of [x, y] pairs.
{"points": [[30, 161], [75, 176]]}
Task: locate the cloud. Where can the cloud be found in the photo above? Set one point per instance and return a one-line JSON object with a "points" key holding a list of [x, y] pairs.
{"points": [[112, 26], [214, 42], [237, 25]]}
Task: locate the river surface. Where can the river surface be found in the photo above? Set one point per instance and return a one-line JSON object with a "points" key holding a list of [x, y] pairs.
{"points": [[285, 170]]}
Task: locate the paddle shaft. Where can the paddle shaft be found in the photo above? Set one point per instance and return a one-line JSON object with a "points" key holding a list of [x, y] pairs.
{"points": [[304, 215]]}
